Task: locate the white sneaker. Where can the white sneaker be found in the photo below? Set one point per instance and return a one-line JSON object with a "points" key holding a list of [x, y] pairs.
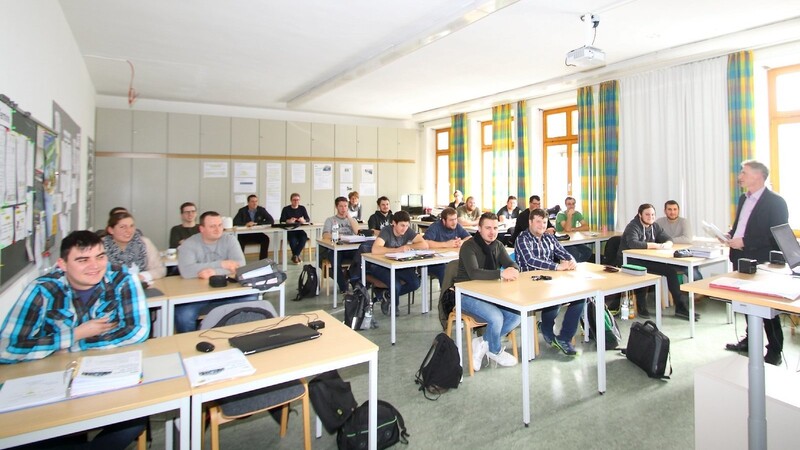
{"points": [[479, 350], [502, 358]]}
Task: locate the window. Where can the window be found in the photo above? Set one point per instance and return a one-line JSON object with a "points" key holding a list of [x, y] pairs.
{"points": [[487, 163], [489, 174], [561, 159], [784, 131], [443, 190]]}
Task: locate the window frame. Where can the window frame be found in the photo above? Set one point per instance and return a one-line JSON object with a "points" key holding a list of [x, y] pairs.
{"points": [[568, 140], [776, 119]]}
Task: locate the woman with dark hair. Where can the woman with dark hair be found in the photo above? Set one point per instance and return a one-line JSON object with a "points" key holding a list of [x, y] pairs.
{"points": [[126, 246]]}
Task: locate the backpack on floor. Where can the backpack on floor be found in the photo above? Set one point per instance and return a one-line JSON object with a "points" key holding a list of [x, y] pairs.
{"points": [[612, 334], [356, 306], [354, 434], [441, 369], [308, 283], [332, 399]]}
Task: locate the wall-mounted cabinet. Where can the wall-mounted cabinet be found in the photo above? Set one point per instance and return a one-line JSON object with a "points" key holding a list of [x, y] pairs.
{"points": [[244, 136], [346, 141], [149, 132], [215, 135], [183, 133], [367, 146], [114, 130], [387, 143], [273, 137], [298, 139], [323, 140]]}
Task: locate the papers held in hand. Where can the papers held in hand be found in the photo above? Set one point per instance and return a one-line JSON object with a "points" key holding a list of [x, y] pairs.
{"points": [[217, 366], [715, 232]]}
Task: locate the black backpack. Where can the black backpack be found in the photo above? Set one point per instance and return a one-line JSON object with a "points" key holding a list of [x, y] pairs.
{"points": [[441, 369], [356, 305], [308, 283], [612, 334], [354, 434], [332, 399]]}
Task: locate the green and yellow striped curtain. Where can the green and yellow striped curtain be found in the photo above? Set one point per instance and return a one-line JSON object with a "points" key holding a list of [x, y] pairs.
{"points": [[501, 145], [608, 157], [458, 153], [586, 151], [741, 122], [523, 152]]}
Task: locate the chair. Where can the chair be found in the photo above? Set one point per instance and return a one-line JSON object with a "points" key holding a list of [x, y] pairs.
{"points": [[375, 283], [326, 267], [244, 405], [470, 323]]}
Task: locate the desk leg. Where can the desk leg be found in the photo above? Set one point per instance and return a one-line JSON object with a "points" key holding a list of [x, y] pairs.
{"points": [[757, 418], [196, 415], [600, 324], [318, 265], [335, 269], [597, 259], [658, 303], [393, 306], [319, 428], [526, 350], [373, 402], [186, 424], [587, 319], [458, 330], [284, 244], [170, 318], [425, 291], [690, 276], [282, 303]]}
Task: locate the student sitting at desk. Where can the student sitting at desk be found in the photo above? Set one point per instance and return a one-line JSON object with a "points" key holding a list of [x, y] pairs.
{"points": [[397, 238], [458, 199], [251, 215], [469, 214], [295, 213], [570, 220], [85, 303], [382, 217], [447, 234], [125, 247], [523, 220], [485, 258], [187, 228], [354, 206], [346, 226], [537, 250]]}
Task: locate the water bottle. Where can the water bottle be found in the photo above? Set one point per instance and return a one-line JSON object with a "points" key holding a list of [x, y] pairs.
{"points": [[631, 312], [335, 232], [624, 307]]}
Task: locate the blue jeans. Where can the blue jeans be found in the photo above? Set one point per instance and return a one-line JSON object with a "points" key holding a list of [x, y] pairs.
{"points": [[499, 321], [186, 314], [570, 323], [297, 240], [437, 271], [407, 279], [581, 252]]}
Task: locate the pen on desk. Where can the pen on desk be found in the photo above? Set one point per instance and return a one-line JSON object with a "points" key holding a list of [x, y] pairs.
{"points": [[70, 371], [211, 372]]}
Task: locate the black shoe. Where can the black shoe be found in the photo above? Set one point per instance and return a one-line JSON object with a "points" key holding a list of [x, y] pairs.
{"points": [[773, 358], [740, 346], [385, 303], [643, 314], [684, 314]]}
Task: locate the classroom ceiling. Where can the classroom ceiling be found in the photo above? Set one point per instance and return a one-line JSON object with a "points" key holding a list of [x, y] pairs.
{"points": [[409, 59]]}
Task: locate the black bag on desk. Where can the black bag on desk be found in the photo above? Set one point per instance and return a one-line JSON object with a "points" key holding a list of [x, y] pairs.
{"points": [[648, 348], [354, 434]]}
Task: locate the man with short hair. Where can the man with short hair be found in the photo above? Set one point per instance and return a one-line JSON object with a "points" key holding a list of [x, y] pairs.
{"points": [[484, 258], [251, 215], [510, 211], [347, 227], [297, 214], [398, 238], [468, 213], [523, 220], [537, 250], [210, 252], [382, 216], [445, 233], [188, 226], [675, 226], [84, 304], [570, 220], [759, 209]]}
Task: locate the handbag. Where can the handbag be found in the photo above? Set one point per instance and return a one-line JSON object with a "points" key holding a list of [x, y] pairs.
{"points": [[648, 348]]}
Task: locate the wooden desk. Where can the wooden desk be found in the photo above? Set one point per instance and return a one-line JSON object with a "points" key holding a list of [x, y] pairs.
{"points": [[85, 413], [526, 296], [178, 290], [667, 257], [335, 249], [595, 238], [393, 266], [338, 347], [756, 307]]}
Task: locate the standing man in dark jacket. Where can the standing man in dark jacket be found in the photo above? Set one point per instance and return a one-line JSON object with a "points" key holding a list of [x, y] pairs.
{"points": [[750, 237], [251, 215]]}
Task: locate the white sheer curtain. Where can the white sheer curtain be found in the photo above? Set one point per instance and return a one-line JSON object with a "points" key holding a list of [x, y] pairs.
{"points": [[674, 142]]}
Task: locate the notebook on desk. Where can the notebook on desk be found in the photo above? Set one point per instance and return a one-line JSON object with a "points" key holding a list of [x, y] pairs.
{"points": [[270, 339]]}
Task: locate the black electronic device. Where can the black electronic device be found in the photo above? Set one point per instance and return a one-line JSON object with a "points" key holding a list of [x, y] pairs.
{"points": [[273, 338], [216, 281], [685, 253], [776, 257], [316, 324], [204, 347], [788, 244], [747, 265]]}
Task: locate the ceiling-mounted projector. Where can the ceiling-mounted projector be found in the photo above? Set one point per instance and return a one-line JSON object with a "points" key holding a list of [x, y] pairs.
{"points": [[586, 56]]}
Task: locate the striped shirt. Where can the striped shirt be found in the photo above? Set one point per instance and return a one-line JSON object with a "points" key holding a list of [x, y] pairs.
{"points": [[44, 318], [542, 253]]}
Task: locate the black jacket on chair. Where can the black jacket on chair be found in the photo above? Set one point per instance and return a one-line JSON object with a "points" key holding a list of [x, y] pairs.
{"points": [[262, 217], [770, 210]]}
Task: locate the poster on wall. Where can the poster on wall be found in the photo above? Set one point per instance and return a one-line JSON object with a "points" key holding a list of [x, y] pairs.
{"points": [[69, 133], [274, 181], [47, 175], [323, 177]]}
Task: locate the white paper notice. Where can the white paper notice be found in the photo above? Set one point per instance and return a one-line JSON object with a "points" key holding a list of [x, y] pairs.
{"points": [[20, 226], [6, 227], [245, 170], [9, 169], [5, 115], [367, 173], [323, 177], [214, 169], [367, 189], [298, 173], [345, 173], [345, 188], [240, 199], [274, 181], [23, 153], [244, 185], [3, 134]]}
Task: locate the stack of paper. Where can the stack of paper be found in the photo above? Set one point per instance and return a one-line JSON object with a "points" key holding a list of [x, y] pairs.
{"points": [[412, 254], [217, 366], [780, 286], [107, 373], [33, 390], [705, 252]]}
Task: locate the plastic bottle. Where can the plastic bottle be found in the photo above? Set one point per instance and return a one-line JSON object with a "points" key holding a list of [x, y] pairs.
{"points": [[335, 232], [624, 307], [631, 312]]}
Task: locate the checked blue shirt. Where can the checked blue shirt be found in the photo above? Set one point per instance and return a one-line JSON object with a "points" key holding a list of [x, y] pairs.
{"points": [[539, 253]]}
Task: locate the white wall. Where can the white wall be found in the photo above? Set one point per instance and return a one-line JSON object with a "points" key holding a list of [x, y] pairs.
{"points": [[42, 64]]}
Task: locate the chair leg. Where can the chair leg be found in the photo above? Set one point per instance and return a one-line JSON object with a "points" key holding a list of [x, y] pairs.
{"points": [[214, 432], [512, 337], [306, 422], [284, 419], [141, 441]]}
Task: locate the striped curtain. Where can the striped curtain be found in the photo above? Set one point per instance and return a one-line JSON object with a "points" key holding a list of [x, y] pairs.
{"points": [[608, 158], [523, 152], [458, 153], [501, 145], [741, 122], [587, 153]]}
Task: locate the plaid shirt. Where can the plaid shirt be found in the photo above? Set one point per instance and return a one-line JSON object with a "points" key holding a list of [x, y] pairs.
{"points": [[542, 253], [44, 318]]}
